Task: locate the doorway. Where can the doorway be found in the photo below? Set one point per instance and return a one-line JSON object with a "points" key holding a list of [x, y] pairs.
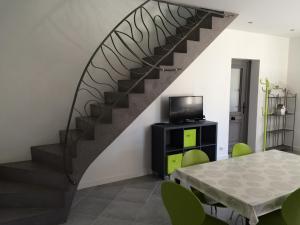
{"points": [[239, 102]]}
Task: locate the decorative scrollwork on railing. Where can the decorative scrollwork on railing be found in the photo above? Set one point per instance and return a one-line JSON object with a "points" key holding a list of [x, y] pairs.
{"points": [[130, 45]]}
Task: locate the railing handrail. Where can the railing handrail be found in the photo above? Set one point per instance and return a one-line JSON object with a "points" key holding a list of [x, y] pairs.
{"points": [[153, 66], [92, 57], [159, 61], [80, 81], [216, 12]]}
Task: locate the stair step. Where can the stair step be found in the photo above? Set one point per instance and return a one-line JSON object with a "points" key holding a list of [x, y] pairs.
{"points": [[102, 112], [34, 173], [206, 23], [195, 19], [203, 13], [181, 48], [168, 61], [112, 97], [51, 155], [87, 125], [30, 216], [73, 136], [18, 194], [125, 85], [194, 36], [172, 40], [139, 72]]}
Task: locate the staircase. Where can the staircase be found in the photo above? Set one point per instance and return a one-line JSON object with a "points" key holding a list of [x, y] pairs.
{"points": [[134, 64]]}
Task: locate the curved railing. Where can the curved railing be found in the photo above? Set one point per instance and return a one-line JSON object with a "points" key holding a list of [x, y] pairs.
{"points": [[129, 45]]}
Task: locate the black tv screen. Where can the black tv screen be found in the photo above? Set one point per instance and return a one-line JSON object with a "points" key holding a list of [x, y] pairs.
{"points": [[185, 108]]}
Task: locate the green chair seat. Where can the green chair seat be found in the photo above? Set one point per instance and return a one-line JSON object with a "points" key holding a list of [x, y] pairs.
{"points": [[273, 218], [184, 207], [241, 149], [194, 157], [209, 220]]}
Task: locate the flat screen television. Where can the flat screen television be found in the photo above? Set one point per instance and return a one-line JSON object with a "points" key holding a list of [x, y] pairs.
{"points": [[185, 108]]}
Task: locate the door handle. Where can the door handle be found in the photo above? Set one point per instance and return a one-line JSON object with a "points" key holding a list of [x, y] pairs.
{"points": [[244, 107]]}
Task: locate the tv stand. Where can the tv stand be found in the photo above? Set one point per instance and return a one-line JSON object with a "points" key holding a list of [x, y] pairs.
{"points": [[171, 140]]}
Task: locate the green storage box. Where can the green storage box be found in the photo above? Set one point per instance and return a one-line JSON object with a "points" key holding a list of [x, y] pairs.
{"points": [[174, 162], [189, 139]]}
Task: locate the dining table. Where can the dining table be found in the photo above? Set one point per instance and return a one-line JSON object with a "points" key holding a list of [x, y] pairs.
{"points": [[252, 185]]}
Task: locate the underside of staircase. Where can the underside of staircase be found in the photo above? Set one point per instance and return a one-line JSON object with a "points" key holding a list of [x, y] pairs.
{"points": [[40, 191]]}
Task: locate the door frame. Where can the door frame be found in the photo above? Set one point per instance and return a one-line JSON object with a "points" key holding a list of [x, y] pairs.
{"points": [[245, 102]]}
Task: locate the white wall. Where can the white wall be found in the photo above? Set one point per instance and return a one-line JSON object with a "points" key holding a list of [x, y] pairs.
{"points": [[44, 46], [209, 75], [294, 82]]}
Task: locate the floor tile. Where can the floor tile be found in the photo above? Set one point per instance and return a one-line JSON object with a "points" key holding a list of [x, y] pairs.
{"points": [[80, 219], [146, 223], [112, 221], [145, 182], [122, 210], [108, 192], [157, 189], [154, 212], [91, 206], [130, 202], [137, 195], [80, 194]]}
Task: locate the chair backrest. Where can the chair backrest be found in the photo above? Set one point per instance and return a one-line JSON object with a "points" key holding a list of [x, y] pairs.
{"points": [[291, 209], [241, 149], [194, 157], [182, 205]]}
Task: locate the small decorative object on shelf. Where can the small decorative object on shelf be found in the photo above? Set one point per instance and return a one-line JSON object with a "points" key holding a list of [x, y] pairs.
{"points": [[281, 109], [279, 114]]}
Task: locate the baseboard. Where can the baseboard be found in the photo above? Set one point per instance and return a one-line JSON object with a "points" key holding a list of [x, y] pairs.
{"points": [[297, 149], [106, 180], [222, 157]]}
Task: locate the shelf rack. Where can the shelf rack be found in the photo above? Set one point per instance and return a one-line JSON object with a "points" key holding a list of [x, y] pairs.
{"points": [[168, 140], [280, 128]]}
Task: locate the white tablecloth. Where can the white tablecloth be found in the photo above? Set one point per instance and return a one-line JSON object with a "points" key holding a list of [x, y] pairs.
{"points": [[253, 185]]}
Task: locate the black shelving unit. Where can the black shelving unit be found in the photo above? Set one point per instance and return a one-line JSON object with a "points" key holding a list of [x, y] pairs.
{"points": [[168, 139], [281, 128]]}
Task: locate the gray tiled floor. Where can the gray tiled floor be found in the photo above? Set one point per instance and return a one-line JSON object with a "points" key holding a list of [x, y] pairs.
{"points": [[131, 202]]}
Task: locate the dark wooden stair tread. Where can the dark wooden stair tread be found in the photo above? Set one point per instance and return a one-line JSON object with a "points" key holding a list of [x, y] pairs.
{"points": [[168, 60], [88, 119], [137, 73], [35, 173], [55, 149], [141, 70], [153, 58], [30, 166], [13, 215], [9, 187]]}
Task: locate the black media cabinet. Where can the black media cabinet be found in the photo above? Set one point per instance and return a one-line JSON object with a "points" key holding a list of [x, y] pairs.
{"points": [[170, 140]]}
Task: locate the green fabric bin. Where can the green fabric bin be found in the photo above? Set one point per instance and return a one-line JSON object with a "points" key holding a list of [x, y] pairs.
{"points": [[189, 139], [174, 162]]}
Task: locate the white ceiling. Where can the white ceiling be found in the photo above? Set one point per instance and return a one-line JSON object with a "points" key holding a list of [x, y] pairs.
{"points": [[275, 17]]}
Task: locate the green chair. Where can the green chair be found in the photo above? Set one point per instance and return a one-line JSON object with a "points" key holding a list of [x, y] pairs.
{"points": [[288, 215], [183, 206], [194, 157], [241, 149]]}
